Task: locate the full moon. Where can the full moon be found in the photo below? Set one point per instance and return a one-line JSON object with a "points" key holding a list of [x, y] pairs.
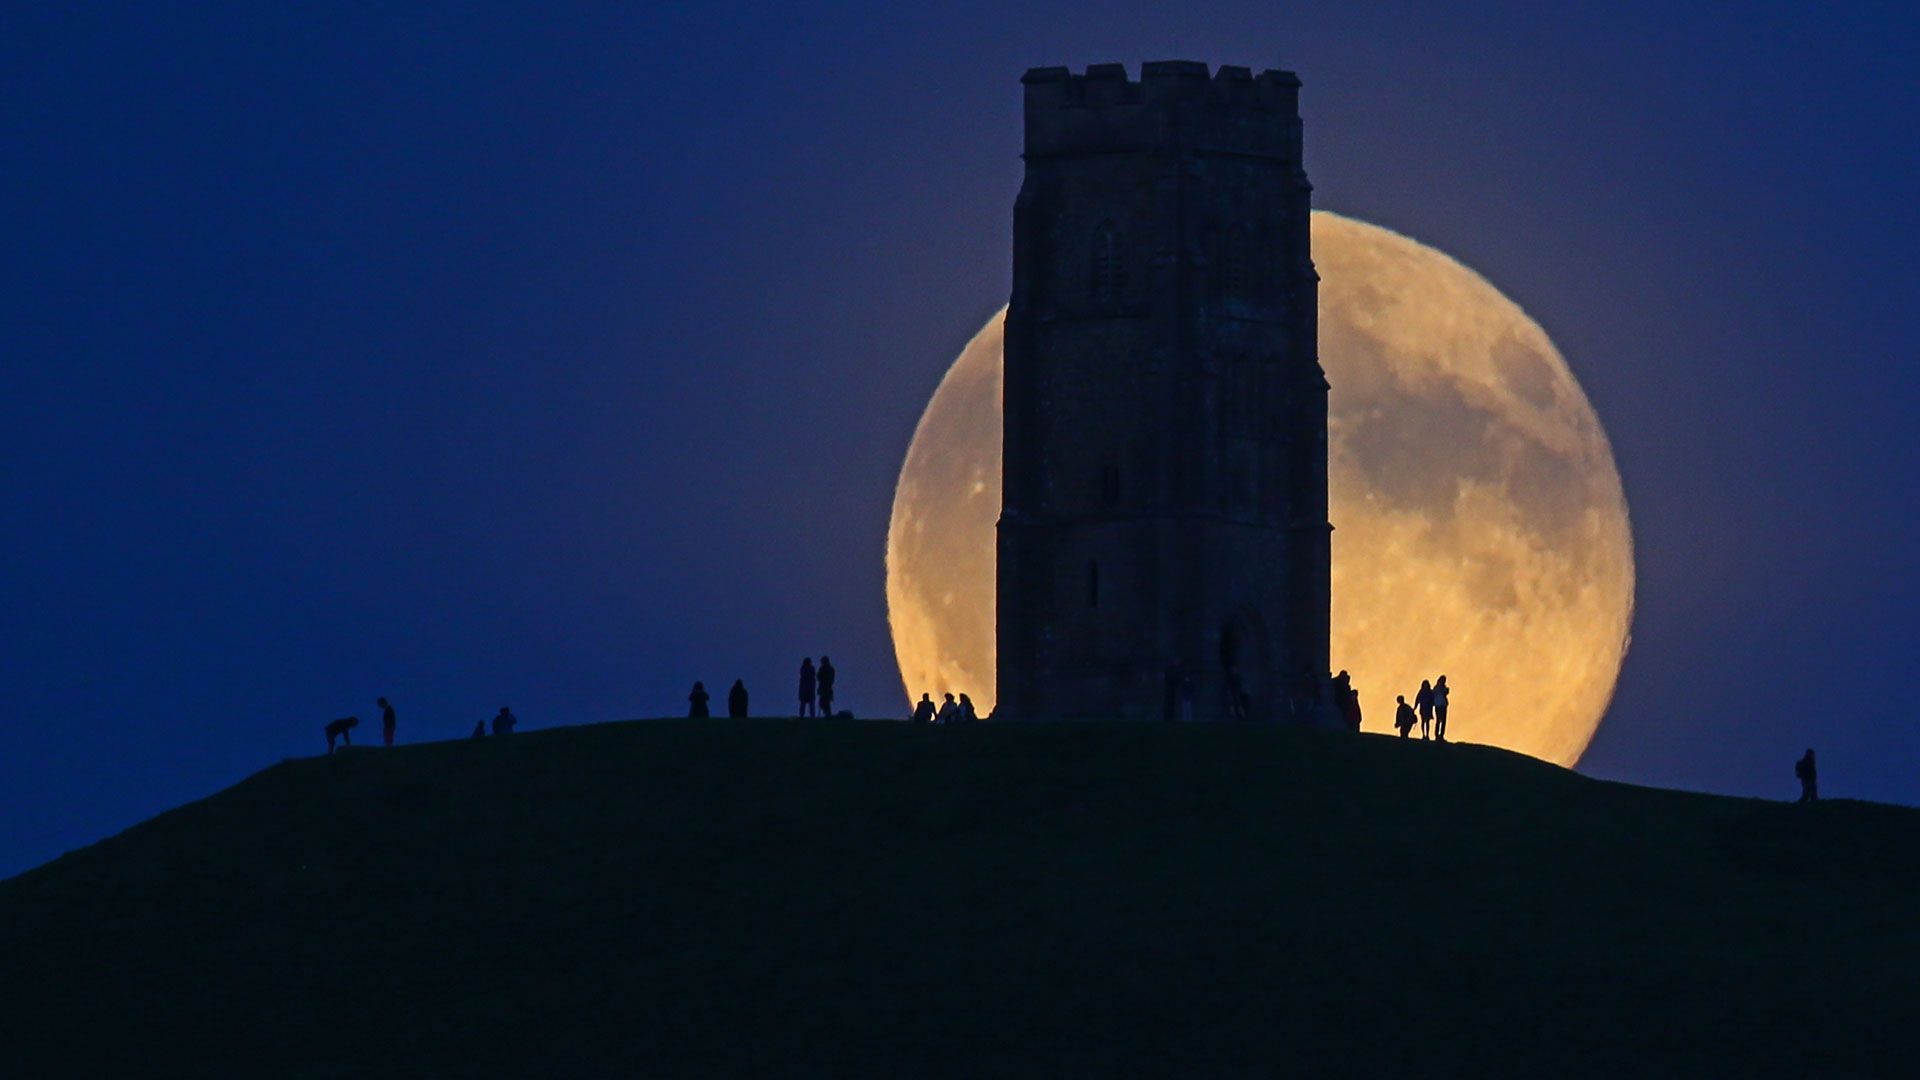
{"points": [[1480, 530]]}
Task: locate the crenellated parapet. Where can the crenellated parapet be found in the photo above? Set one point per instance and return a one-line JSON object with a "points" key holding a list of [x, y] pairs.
{"points": [[1174, 104]]}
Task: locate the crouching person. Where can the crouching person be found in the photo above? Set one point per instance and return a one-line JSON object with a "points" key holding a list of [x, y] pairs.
{"points": [[341, 729]]}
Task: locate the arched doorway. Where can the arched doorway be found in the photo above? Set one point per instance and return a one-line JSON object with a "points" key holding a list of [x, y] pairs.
{"points": [[1243, 666]]}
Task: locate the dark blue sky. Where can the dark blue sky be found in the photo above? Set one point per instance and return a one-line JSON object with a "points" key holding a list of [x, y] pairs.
{"points": [[559, 356]]}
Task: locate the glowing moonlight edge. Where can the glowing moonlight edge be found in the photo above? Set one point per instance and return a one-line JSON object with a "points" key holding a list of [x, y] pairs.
{"points": [[1481, 531]]}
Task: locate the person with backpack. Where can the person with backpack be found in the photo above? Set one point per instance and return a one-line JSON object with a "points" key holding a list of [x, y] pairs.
{"points": [[1403, 717]]}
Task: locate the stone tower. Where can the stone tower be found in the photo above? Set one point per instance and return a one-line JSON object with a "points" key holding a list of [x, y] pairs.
{"points": [[1164, 548]]}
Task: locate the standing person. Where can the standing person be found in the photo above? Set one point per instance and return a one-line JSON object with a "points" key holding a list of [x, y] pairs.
{"points": [[826, 686], [1809, 777], [1178, 704], [923, 712], [1306, 696], [503, 721], [1424, 702], [1238, 704], [807, 686], [1440, 693], [479, 730], [737, 701], [387, 722], [1348, 699], [966, 715], [1403, 716], [697, 702], [947, 709]]}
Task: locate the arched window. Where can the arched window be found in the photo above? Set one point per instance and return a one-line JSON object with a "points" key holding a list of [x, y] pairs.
{"points": [[1109, 264], [1236, 253]]}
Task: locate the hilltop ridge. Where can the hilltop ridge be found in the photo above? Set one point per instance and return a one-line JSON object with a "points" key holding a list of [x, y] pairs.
{"points": [[833, 898]]}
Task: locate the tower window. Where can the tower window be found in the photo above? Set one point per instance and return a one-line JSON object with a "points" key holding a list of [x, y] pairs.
{"points": [[1093, 583], [1235, 255], [1109, 263]]}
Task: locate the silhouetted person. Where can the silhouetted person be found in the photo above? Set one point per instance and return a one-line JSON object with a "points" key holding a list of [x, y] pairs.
{"points": [[1178, 702], [479, 730], [341, 729], [1306, 697], [737, 701], [1809, 777], [1440, 693], [1403, 717], [826, 686], [387, 722], [947, 709], [923, 712], [1238, 703], [1348, 700], [807, 685], [503, 721], [1170, 693], [965, 713], [1424, 702], [697, 702]]}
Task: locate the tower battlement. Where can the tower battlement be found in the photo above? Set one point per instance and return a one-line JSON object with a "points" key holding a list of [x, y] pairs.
{"points": [[1181, 101]]}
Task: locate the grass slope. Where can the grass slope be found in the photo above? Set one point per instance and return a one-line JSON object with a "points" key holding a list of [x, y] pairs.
{"points": [[793, 898]]}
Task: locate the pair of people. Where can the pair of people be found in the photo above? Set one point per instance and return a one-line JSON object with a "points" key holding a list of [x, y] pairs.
{"points": [[503, 722], [736, 701], [342, 728], [949, 712], [816, 684], [1430, 704]]}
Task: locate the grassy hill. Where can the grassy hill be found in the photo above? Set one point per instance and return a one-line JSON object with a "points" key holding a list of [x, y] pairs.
{"points": [[830, 898]]}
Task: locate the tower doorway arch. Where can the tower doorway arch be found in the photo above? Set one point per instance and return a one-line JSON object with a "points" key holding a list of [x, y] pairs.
{"points": [[1244, 655]]}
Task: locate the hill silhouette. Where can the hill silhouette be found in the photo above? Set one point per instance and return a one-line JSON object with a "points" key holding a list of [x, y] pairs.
{"points": [[829, 898]]}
